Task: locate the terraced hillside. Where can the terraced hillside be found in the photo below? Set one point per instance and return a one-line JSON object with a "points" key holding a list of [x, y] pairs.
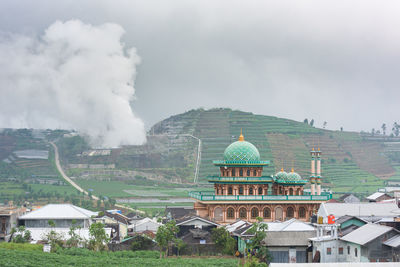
{"points": [[350, 163]]}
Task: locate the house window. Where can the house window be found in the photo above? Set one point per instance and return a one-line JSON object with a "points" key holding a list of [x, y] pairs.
{"points": [[291, 191], [241, 190], [302, 212], [267, 213], [260, 190], [251, 191], [248, 173], [254, 173], [254, 213], [230, 213], [340, 251], [348, 250], [241, 172], [355, 252], [233, 172], [243, 213], [289, 213], [230, 190], [328, 251]]}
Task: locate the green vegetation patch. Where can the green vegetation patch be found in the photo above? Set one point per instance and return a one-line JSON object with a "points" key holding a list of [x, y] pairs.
{"points": [[82, 257]]}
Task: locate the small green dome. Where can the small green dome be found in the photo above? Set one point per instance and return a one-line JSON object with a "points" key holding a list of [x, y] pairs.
{"points": [[293, 176], [241, 151], [282, 175]]}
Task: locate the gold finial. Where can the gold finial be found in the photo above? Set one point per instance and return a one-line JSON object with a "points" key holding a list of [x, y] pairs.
{"points": [[241, 137], [281, 169], [292, 169]]}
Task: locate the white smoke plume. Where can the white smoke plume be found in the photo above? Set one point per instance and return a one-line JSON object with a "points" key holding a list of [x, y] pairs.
{"points": [[76, 76]]}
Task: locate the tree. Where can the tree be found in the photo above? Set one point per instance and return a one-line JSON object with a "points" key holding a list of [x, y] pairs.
{"points": [[75, 240], [98, 237], [259, 230], [324, 124], [53, 238], [20, 235], [383, 128], [165, 235], [312, 123], [223, 240], [305, 121], [396, 129]]}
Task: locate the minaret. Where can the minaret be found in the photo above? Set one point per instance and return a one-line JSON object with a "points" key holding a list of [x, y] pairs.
{"points": [[318, 178], [312, 177]]}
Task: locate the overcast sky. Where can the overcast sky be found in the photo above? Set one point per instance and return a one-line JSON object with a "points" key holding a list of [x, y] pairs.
{"points": [[334, 61]]}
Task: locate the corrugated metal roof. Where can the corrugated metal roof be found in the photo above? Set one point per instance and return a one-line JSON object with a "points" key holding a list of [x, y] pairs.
{"points": [[393, 242], [359, 209], [59, 211], [375, 195], [366, 233], [290, 225]]}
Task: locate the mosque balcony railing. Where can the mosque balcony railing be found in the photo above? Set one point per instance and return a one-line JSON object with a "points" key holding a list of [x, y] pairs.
{"points": [[216, 178], [210, 196]]}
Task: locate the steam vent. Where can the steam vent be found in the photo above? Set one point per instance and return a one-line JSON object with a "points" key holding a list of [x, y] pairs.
{"points": [[241, 191]]}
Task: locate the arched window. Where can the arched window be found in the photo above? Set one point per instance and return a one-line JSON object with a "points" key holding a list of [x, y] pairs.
{"points": [[348, 250], [233, 172], [217, 191], [230, 213], [260, 190], [248, 173], [355, 252], [289, 213], [298, 191], [240, 172], [254, 173], [254, 213], [218, 214], [302, 212], [243, 213], [241, 190], [267, 213], [280, 190], [230, 190], [251, 191], [291, 191]]}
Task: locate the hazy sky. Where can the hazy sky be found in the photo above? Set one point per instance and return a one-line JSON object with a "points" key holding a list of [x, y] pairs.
{"points": [[334, 61]]}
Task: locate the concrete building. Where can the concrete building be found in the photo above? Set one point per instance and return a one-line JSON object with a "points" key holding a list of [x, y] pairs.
{"points": [[241, 191], [143, 225], [63, 215], [287, 241], [371, 212], [9, 219], [368, 243]]}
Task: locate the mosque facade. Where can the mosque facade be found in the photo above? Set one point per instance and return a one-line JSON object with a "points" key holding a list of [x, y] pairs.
{"points": [[242, 191]]}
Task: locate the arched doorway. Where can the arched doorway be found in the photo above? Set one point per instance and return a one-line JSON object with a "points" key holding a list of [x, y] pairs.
{"points": [[279, 214], [218, 214]]}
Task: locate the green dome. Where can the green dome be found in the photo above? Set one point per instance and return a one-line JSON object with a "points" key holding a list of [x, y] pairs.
{"points": [[241, 151], [282, 175], [293, 176]]}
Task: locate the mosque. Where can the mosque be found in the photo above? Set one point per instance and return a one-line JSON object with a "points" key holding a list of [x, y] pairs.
{"points": [[241, 191]]}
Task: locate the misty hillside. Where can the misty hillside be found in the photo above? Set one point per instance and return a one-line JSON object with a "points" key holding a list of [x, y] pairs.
{"points": [[350, 162]]}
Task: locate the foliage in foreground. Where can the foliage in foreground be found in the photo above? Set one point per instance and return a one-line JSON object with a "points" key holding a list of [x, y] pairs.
{"points": [[84, 257], [223, 240]]}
